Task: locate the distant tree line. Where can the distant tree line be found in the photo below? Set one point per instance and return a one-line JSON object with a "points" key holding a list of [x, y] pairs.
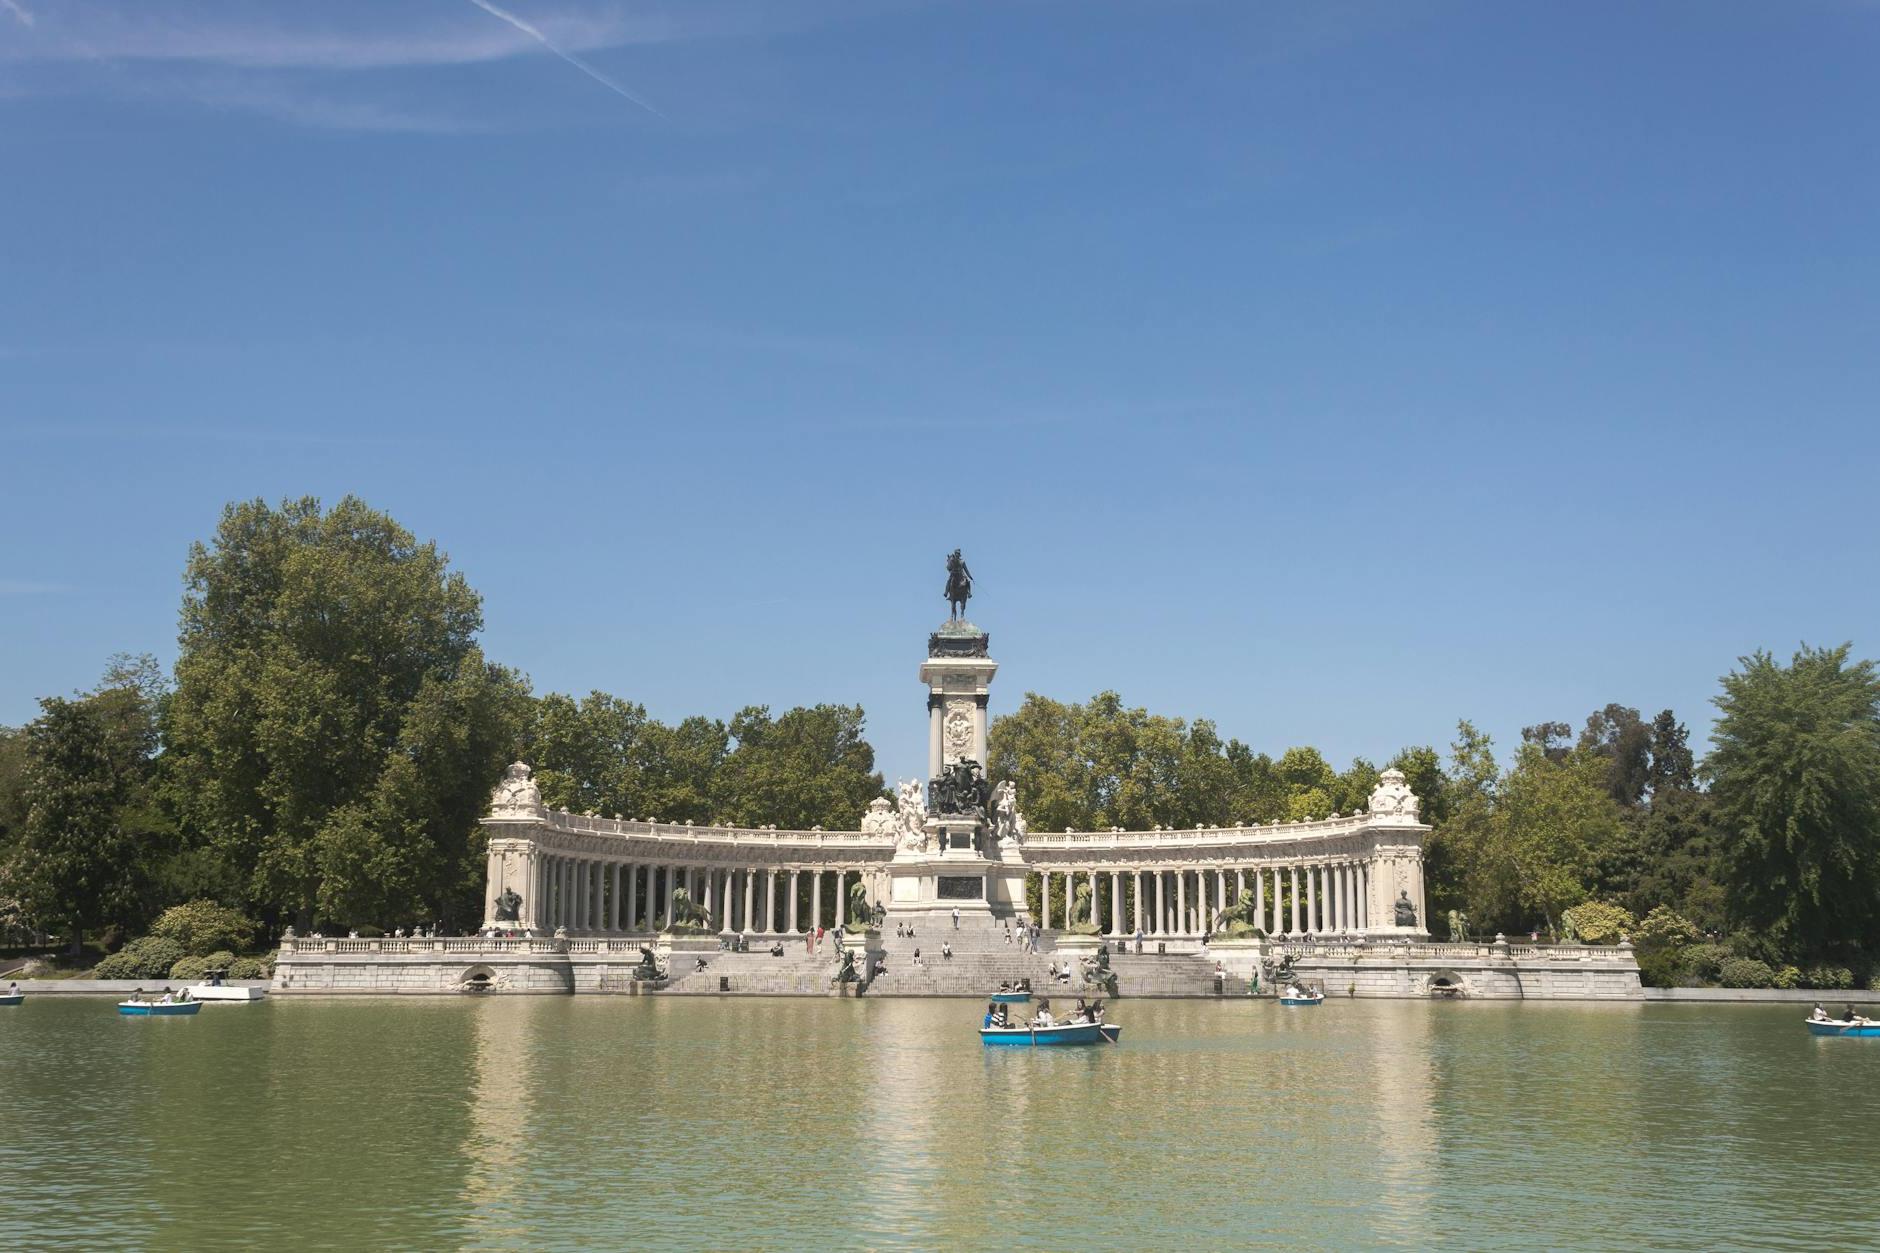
{"points": [[328, 737]]}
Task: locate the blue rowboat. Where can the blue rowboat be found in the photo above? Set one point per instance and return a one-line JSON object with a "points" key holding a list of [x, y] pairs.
{"points": [[1039, 1037], [1833, 1026], [157, 1009], [1314, 999], [12, 999], [1010, 998]]}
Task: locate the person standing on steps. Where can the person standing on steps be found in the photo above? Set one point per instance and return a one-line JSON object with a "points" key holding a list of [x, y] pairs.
{"points": [[956, 917]]}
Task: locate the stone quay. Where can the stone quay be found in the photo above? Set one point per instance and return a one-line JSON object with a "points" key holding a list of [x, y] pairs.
{"points": [[580, 903]]}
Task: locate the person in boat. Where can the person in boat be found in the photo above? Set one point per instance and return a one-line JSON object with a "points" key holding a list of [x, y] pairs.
{"points": [[1044, 1018], [1096, 1011], [1005, 985], [992, 1017], [1820, 1014], [1850, 1016]]}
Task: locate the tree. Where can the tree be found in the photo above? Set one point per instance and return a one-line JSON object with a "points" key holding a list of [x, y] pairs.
{"points": [[1550, 738], [78, 863], [1796, 777], [335, 730], [1616, 736], [808, 767], [1672, 768]]}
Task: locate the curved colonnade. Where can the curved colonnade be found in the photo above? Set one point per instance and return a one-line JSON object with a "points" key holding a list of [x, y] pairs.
{"points": [[607, 876]]}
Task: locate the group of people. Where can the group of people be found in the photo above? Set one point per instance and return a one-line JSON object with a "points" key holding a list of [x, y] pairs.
{"points": [[904, 929], [167, 997], [999, 1018], [1847, 1015]]}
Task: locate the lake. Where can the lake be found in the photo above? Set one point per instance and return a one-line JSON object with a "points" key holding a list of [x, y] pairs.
{"points": [[571, 1122]]}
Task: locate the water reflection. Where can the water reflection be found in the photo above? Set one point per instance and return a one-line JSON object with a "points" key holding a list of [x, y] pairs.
{"points": [[679, 1123]]}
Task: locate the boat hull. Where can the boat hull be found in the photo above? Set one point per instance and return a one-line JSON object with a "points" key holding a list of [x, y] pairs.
{"points": [[147, 1009], [14, 999], [1010, 998], [239, 996], [1869, 1030], [1043, 1037], [1300, 1001]]}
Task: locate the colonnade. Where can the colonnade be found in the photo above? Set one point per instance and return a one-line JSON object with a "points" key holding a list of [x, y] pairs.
{"points": [[1315, 898], [602, 896]]}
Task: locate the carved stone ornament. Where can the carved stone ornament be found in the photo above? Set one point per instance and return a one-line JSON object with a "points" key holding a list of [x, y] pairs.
{"points": [[1393, 797], [1007, 823], [912, 816], [880, 818], [958, 728], [517, 793]]}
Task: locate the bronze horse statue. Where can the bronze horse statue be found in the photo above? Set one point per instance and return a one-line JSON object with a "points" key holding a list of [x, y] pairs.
{"points": [[959, 584]]}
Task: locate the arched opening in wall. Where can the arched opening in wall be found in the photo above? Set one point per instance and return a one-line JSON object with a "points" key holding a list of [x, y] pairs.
{"points": [[477, 979], [1447, 985]]}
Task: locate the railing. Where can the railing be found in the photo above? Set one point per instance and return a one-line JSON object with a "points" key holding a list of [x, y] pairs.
{"points": [[862, 841], [1385, 946]]}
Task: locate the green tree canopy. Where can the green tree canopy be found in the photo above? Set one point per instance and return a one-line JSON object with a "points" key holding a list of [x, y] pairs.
{"points": [[1796, 777], [334, 729]]}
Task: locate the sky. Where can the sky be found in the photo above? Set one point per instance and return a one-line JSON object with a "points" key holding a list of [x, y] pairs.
{"points": [[1332, 371]]}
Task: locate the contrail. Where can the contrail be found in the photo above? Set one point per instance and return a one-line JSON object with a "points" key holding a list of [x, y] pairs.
{"points": [[569, 57]]}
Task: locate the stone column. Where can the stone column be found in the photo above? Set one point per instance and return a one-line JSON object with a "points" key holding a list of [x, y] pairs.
{"points": [[794, 884], [665, 897], [1293, 871], [1220, 891], [770, 901], [1181, 901], [1116, 902], [815, 898], [750, 898], [935, 737]]}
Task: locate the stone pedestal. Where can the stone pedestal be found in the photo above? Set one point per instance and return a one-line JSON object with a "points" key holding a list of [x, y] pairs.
{"points": [[958, 674]]}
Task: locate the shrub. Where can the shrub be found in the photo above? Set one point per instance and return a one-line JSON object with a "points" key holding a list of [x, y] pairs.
{"points": [[190, 969], [1831, 978], [1706, 960], [1788, 977], [252, 967], [1662, 968], [1747, 972], [148, 958], [202, 927], [1599, 923], [1664, 927], [1873, 984]]}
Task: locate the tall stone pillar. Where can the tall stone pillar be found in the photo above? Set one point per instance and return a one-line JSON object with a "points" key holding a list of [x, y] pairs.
{"points": [[750, 898], [1181, 901], [1293, 871], [1044, 899], [815, 898], [1116, 902], [958, 674], [794, 929], [770, 901]]}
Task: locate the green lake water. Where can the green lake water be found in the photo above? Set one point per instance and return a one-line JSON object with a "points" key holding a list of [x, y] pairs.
{"points": [[550, 1122]]}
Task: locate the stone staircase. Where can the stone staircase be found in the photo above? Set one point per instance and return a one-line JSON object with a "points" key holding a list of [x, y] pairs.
{"points": [[757, 973], [982, 960]]}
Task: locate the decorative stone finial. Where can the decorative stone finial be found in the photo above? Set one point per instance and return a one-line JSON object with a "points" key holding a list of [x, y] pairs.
{"points": [[1393, 801], [517, 795]]}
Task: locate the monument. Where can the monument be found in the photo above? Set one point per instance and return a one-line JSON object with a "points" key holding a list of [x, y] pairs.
{"points": [[959, 847]]}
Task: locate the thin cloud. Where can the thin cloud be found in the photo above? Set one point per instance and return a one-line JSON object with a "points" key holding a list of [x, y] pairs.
{"points": [[19, 12], [569, 57]]}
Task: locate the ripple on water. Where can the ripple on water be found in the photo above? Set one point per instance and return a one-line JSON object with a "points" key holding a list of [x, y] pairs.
{"points": [[563, 1122]]}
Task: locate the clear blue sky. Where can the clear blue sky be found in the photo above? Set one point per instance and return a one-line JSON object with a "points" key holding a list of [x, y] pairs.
{"points": [[1333, 371]]}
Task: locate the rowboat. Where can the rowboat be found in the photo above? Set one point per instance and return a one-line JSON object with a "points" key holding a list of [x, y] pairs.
{"points": [[1059, 1033], [222, 992], [1304, 998], [1841, 1026], [159, 1009], [1010, 998], [12, 998]]}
